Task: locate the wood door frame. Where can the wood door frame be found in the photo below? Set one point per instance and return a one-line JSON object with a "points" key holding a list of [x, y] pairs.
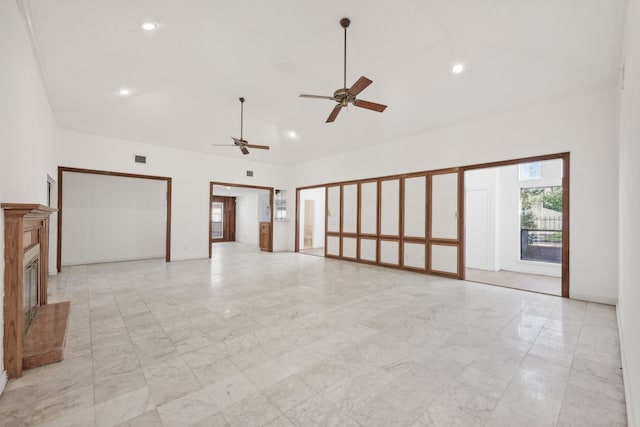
{"points": [[565, 157], [255, 187], [62, 169]]}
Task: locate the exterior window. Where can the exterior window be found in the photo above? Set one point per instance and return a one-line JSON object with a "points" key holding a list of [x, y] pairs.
{"points": [[281, 205], [541, 224], [530, 171]]}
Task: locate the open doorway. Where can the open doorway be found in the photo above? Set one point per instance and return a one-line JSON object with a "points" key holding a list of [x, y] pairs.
{"points": [[311, 226], [242, 214], [106, 216], [516, 224], [223, 218]]}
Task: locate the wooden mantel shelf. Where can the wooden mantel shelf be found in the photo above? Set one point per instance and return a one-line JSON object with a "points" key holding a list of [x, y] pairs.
{"points": [[27, 209], [25, 225]]}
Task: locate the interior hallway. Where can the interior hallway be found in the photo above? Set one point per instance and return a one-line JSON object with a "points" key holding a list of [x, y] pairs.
{"points": [[280, 339]]}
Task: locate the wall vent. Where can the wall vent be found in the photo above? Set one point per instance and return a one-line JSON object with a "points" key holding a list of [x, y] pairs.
{"points": [[249, 173], [141, 159]]}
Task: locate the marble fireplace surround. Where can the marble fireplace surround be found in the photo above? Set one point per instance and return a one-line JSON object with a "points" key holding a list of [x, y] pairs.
{"points": [[27, 225]]}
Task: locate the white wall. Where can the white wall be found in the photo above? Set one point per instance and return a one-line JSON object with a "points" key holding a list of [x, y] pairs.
{"points": [[27, 129], [247, 224], [112, 218], [584, 124], [191, 173], [629, 175]]}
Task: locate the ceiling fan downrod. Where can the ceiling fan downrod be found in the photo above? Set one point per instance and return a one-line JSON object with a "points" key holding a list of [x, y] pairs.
{"points": [[241, 116], [345, 24]]}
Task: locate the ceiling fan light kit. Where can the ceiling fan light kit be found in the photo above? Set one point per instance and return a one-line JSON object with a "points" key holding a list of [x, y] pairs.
{"points": [[241, 142], [345, 96]]}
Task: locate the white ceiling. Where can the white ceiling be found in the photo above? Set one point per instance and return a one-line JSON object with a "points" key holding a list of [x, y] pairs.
{"points": [[186, 77]]}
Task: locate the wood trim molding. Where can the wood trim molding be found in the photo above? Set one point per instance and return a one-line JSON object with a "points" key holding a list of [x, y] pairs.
{"points": [[62, 169]]}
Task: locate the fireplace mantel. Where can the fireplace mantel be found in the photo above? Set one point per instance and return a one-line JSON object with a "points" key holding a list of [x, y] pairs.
{"points": [[24, 226]]}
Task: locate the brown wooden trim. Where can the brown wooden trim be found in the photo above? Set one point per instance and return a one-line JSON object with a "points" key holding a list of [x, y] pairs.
{"points": [[516, 161], [411, 239], [297, 230], [209, 239], [401, 219], [59, 230], [461, 225], [167, 256], [62, 169], [326, 219], [379, 218], [566, 205], [111, 173]]}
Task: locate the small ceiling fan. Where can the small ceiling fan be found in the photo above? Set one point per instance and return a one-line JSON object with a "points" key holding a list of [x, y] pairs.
{"points": [[345, 96], [239, 142]]}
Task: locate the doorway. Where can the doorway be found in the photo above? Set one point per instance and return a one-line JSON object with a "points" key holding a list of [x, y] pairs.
{"points": [[242, 214], [223, 219], [111, 216], [517, 224], [310, 233]]}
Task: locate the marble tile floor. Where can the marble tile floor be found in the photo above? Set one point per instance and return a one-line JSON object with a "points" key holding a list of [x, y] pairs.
{"points": [[252, 338], [512, 279]]}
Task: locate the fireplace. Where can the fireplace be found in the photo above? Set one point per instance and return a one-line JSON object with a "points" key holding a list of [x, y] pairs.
{"points": [[34, 330], [31, 284]]}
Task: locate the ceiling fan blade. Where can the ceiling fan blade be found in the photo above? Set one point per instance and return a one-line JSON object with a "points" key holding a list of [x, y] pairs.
{"points": [[259, 147], [334, 113], [244, 150], [317, 97], [223, 145], [369, 105], [359, 86]]}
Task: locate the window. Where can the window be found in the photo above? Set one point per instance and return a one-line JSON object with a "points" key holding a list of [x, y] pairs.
{"points": [[541, 224], [530, 171], [281, 205]]}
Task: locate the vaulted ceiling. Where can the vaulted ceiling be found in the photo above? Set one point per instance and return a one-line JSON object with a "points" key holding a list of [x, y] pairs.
{"points": [[185, 78]]}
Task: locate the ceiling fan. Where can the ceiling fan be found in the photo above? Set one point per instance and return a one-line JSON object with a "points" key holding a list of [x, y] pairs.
{"points": [[239, 142], [346, 96]]}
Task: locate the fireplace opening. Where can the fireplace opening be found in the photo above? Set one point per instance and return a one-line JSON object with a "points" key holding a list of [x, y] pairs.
{"points": [[31, 278]]}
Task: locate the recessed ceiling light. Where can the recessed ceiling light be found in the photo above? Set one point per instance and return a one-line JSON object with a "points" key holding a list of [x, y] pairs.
{"points": [[457, 68], [228, 188], [149, 26], [125, 91], [292, 134]]}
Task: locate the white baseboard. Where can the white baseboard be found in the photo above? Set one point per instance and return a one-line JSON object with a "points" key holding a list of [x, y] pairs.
{"points": [[631, 421], [591, 298], [3, 381]]}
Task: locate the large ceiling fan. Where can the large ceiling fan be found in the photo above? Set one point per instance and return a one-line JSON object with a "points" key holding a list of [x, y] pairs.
{"points": [[345, 96], [240, 142]]}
